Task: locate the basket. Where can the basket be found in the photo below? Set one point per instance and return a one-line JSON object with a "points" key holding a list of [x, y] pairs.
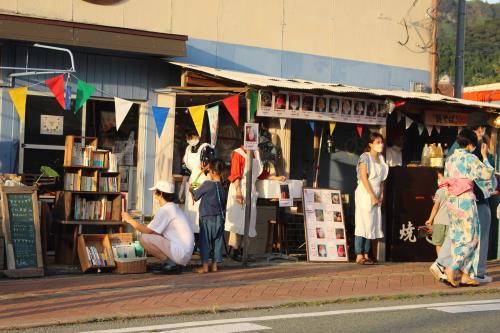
{"points": [[124, 265]]}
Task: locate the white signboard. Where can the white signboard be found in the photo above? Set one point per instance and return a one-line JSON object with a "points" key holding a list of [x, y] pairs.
{"points": [[251, 141], [322, 108], [51, 125], [324, 225]]}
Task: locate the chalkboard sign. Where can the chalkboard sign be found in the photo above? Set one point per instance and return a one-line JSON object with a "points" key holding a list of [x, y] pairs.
{"points": [[22, 231]]}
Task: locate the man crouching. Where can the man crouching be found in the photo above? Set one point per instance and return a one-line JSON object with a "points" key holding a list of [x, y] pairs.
{"points": [[168, 237]]}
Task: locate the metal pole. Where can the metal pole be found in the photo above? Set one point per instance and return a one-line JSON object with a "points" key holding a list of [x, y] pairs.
{"points": [[459, 57], [248, 195], [317, 166], [434, 46]]}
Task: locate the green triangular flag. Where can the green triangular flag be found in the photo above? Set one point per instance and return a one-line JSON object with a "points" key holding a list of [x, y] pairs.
{"points": [[254, 97], [83, 93]]}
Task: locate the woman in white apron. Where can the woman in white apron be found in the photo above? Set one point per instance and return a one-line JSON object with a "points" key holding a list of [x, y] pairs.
{"points": [[235, 209], [372, 172], [192, 161]]}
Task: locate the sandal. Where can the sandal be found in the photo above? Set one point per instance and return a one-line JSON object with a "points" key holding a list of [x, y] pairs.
{"points": [[451, 280], [364, 262], [468, 282]]}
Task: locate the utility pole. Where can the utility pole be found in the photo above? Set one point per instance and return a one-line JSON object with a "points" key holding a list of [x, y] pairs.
{"points": [[434, 46], [459, 56], [248, 192]]}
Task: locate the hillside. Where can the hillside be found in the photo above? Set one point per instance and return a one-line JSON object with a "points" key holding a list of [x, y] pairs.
{"points": [[482, 41]]}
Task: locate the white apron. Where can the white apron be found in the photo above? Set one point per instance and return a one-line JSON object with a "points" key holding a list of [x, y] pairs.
{"points": [[235, 213], [191, 208], [368, 218]]}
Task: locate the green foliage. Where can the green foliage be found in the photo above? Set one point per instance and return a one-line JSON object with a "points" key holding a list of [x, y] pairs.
{"points": [[482, 41]]}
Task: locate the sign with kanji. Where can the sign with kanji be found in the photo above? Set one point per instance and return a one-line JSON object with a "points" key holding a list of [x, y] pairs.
{"points": [[444, 118]]}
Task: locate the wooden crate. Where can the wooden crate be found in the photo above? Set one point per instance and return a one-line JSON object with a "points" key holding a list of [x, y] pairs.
{"points": [[69, 144], [127, 266], [102, 244]]}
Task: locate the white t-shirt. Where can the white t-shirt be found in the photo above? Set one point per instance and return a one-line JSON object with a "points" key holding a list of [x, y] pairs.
{"points": [[172, 223]]}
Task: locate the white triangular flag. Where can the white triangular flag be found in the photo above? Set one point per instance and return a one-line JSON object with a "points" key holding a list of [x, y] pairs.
{"points": [[213, 120], [408, 122], [420, 129], [282, 123], [438, 129], [429, 129], [400, 116], [122, 107]]}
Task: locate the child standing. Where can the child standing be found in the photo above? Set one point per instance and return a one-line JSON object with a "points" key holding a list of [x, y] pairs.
{"points": [[439, 215], [212, 216]]}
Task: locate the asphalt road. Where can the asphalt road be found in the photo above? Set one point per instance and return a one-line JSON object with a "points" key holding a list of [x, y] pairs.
{"points": [[475, 313]]}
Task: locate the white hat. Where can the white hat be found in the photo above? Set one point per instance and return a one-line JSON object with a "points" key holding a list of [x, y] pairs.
{"points": [[164, 186]]}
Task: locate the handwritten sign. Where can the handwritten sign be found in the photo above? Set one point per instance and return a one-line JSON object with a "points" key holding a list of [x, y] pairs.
{"points": [[443, 118], [22, 231]]}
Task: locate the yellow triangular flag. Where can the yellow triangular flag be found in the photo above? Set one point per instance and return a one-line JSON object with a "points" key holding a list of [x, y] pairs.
{"points": [[197, 113], [18, 96], [332, 127]]}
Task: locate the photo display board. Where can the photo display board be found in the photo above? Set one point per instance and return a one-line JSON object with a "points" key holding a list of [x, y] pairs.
{"points": [[324, 225], [329, 108]]}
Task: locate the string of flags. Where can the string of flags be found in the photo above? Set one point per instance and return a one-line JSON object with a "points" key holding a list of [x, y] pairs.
{"points": [[420, 127], [61, 89]]}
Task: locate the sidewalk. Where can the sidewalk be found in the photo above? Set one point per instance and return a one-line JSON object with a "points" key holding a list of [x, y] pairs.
{"points": [[66, 299]]}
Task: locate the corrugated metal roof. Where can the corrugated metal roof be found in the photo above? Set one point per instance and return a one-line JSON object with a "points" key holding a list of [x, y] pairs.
{"points": [[264, 81]]}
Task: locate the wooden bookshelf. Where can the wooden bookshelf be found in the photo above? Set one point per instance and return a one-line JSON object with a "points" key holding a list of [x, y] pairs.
{"points": [[95, 252]]}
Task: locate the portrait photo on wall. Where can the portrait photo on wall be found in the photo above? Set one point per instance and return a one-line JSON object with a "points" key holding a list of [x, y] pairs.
{"points": [[284, 191], [346, 106], [341, 251], [307, 103], [320, 233], [359, 108], [382, 111], [280, 102], [266, 99], [294, 102], [334, 105], [320, 104], [322, 251], [339, 233], [371, 109]]}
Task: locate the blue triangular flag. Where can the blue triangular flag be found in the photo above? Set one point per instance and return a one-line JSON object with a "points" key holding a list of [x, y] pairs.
{"points": [[160, 114], [67, 98], [311, 123]]}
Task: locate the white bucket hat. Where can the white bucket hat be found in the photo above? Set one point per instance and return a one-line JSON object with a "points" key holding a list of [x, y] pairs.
{"points": [[164, 186]]}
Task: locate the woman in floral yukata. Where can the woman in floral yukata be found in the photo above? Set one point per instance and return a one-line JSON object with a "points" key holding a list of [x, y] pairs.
{"points": [[461, 171]]}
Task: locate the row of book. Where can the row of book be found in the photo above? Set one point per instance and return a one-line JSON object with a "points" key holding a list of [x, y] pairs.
{"points": [[88, 183], [86, 209], [97, 258], [88, 156], [108, 184]]}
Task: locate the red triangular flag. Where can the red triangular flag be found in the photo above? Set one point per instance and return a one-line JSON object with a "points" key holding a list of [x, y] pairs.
{"points": [[231, 104], [359, 128], [56, 85]]}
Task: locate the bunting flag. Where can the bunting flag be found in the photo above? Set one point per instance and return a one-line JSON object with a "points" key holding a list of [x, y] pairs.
{"points": [[18, 96], [408, 122], [438, 129], [67, 98], [311, 124], [231, 104], [282, 123], [400, 116], [83, 93], [197, 114], [420, 129], [429, 129], [213, 121], [56, 85], [160, 114], [122, 107], [399, 103], [359, 128], [254, 98], [332, 127]]}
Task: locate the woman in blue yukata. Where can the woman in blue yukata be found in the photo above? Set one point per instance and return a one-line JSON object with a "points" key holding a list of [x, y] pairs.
{"points": [[461, 171]]}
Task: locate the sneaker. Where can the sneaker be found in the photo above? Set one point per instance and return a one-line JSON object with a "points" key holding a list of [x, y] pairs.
{"points": [[484, 279], [438, 272]]}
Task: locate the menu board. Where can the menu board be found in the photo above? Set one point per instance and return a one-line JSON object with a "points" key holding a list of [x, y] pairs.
{"points": [[22, 232], [321, 107], [324, 225]]}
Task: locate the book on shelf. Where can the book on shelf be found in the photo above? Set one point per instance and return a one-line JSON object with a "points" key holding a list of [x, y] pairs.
{"points": [[77, 154], [98, 158], [86, 209], [87, 155], [88, 183], [113, 163], [96, 258], [108, 184], [71, 182]]}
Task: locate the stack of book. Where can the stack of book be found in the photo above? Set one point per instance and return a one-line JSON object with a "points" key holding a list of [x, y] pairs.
{"points": [[100, 210], [88, 184], [71, 182], [99, 158], [97, 258], [87, 155], [108, 184]]}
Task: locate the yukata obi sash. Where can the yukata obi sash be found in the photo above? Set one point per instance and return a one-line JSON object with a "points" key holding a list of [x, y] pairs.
{"points": [[458, 186]]}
